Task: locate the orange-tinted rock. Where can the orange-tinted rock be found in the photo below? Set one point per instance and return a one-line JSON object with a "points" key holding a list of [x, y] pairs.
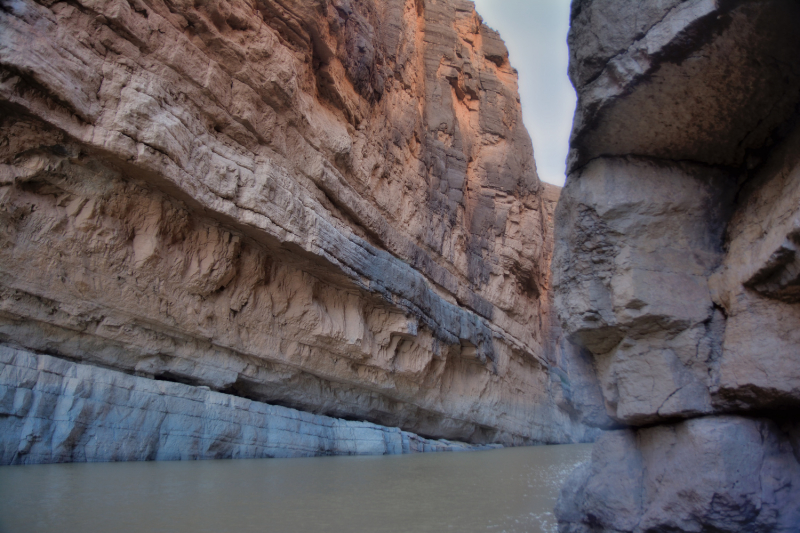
{"points": [[328, 205]]}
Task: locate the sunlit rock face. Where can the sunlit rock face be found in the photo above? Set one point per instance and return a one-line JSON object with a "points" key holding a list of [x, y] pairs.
{"points": [[327, 205], [675, 262]]}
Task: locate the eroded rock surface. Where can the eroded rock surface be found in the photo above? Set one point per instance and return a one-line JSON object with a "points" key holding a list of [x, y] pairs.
{"points": [[699, 80], [723, 473], [327, 205], [54, 411], [675, 262], [636, 245]]}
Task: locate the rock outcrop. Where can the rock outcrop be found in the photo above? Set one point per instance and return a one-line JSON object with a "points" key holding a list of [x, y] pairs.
{"points": [[328, 205], [54, 411], [724, 473], [675, 263]]}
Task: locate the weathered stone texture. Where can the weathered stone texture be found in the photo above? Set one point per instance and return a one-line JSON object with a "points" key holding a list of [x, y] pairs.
{"points": [[707, 474], [680, 277], [329, 205], [635, 247], [52, 411], [676, 264], [756, 286], [697, 80]]}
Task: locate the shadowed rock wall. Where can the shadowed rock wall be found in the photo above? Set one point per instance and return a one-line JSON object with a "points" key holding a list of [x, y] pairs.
{"points": [[675, 263], [326, 205]]}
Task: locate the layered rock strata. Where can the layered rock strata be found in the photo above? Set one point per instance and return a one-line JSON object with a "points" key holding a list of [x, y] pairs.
{"points": [[329, 205], [675, 263], [54, 411]]}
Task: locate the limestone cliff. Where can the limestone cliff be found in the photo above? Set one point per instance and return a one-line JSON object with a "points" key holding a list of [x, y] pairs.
{"points": [[675, 263], [69, 412], [329, 205]]}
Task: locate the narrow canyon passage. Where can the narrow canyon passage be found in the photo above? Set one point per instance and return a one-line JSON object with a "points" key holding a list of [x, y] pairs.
{"points": [[290, 228]]}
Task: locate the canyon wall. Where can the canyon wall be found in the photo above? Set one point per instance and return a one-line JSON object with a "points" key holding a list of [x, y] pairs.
{"points": [[327, 205], [55, 411], [676, 263]]}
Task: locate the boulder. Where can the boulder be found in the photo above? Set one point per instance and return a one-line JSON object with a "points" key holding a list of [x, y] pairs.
{"points": [[636, 240]]}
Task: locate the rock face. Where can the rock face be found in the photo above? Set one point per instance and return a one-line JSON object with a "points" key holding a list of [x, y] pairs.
{"points": [[327, 205], [675, 263], [724, 473], [52, 411]]}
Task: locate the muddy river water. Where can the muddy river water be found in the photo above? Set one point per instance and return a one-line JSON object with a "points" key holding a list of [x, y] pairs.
{"points": [[511, 490]]}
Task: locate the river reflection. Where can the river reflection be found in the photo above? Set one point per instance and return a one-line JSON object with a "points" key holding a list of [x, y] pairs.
{"points": [[511, 490]]}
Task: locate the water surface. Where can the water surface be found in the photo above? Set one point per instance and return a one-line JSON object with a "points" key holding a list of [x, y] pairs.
{"points": [[511, 490]]}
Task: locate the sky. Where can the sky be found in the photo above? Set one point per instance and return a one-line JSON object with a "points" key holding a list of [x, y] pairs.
{"points": [[535, 32]]}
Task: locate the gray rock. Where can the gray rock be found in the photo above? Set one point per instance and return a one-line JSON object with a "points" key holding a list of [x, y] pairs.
{"points": [[722, 474], [607, 490], [676, 264], [52, 410], [576, 386], [756, 287], [635, 243], [696, 80], [603, 29]]}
